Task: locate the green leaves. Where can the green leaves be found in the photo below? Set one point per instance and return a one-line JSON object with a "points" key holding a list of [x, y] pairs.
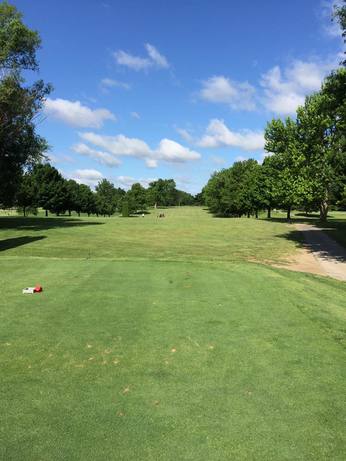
{"points": [[18, 44], [20, 106]]}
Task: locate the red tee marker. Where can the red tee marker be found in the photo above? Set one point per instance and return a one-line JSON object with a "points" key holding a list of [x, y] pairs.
{"points": [[38, 289]]}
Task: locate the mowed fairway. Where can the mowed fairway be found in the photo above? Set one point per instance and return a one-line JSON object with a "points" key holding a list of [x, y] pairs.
{"points": [[159, 339]]}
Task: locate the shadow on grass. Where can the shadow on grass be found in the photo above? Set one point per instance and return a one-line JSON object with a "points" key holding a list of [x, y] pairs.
{"points": [[40, 224], [322, 243], [14, 242]]}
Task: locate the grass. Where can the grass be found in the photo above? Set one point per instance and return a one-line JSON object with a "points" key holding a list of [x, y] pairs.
{"points": [[185, 234], [157, 339]]}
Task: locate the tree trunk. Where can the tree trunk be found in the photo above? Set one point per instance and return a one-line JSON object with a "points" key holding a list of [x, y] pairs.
{"points": [[24, 211], [256, 214], [324, 210], [46, 212], [269, 212], [69, 212], [248, 214], [289, 213], [79, 214]]}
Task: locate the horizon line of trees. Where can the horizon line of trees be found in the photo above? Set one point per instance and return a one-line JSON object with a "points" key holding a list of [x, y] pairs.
{"points": [[43, 186], [306, 168], [306, 163]]}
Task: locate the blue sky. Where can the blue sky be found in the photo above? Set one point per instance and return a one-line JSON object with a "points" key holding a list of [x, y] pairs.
{"points": [[173, 89]]}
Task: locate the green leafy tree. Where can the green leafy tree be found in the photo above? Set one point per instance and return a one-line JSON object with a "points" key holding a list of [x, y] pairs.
{"points": [[20, 145], [72, 200], [340, 16], [86, 200], [48, 182], [136, 198], [162, 192], [184, 198], [26, 196], [106, 198], [291, 184], [322, 131]]}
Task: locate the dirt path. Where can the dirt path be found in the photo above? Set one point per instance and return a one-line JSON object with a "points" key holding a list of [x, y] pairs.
{"points": [[320, 254]]}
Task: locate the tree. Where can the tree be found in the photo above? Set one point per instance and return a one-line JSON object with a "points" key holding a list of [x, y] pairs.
{"points": [[287, 163], [18, 44], [269, 178], [236, 191], [184, 198], [106, 198], [340, 16], [20, 145], [136, 198], [86, 200], [322, 130], [73, 199], [162, 192], [48, 182], [27, 193]]}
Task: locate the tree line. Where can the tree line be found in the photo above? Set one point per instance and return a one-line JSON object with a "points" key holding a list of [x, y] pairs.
{"points": [[306, 168], [306, 163], [43, 186]]}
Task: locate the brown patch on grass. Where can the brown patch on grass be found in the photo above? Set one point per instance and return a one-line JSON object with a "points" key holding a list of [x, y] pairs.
{"points": [[303, 261], [126, 390], [173, 350]]}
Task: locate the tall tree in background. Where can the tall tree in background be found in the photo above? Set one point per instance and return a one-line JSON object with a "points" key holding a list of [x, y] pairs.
{"points": [[162, 192], [287, 163], [20, 145], [136, 198], [340, 16], [322, 131], [51, 195]]}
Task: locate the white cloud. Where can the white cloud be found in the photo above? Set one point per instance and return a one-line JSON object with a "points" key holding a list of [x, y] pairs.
{"points": [[154, 59], [185, 134], [329, 26], [218, 135], [133, 62], [76, 114], [151, 163], [110, 83], [60, 158], [88, 177], [102, 157], [128, 181], [220, 89], [135, 115], [217, 160], [172, 151], [285, 91], [120, 145]]}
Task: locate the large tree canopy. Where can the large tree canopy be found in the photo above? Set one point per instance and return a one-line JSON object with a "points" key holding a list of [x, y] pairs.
{"points": [[20, 145]]}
